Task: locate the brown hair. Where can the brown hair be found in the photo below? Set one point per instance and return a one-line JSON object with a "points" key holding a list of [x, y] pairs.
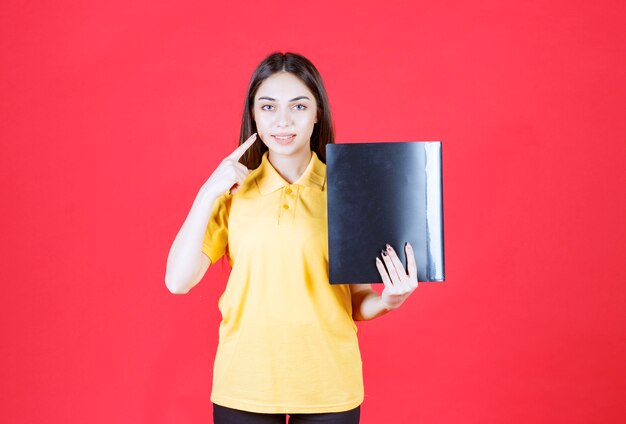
{"points": [[301, 67]]}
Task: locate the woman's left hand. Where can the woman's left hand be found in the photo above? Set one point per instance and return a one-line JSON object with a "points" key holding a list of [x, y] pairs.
{"points": [[398, 285]]}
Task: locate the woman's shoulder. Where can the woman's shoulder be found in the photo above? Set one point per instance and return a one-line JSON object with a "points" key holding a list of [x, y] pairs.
{"points": [[248, 187]]}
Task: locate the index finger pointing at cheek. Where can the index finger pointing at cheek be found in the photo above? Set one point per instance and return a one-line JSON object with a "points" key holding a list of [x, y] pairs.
{"points": [[239, 151]]}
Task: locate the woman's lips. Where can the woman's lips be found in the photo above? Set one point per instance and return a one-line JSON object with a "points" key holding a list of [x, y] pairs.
{"points": [[283, 138]]}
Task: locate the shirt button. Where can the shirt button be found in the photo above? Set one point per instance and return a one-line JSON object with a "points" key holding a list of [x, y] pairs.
{"points": [[288, 190], [286, 206]]}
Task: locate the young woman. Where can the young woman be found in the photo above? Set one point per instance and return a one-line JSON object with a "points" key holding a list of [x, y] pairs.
{"points": [[288, 340]]}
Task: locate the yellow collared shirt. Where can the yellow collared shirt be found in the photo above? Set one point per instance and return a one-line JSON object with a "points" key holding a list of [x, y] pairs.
{"points": [[288, 342]]}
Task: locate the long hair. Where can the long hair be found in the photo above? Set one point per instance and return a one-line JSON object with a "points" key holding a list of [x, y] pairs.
{"points": [[301, 67]]}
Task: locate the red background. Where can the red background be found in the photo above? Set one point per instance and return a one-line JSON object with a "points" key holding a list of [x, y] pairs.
{"points": [[114, 113]]}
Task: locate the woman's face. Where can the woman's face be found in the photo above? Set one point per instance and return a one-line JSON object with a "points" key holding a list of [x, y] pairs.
{"points": [[285, 112]]}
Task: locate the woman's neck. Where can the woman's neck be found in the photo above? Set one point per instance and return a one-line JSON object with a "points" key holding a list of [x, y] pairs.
{"points": [[291, 167]]}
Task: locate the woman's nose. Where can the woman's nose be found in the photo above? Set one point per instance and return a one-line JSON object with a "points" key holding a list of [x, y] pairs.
{"points": [[284, 118]]}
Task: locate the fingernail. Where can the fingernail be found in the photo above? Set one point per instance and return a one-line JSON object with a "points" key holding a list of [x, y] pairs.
{"points": [[389, 248], [409, 245]]}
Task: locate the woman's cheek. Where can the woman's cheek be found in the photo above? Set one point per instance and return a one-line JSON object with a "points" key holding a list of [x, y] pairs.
{"points": [[262, 130], [308, 123]]}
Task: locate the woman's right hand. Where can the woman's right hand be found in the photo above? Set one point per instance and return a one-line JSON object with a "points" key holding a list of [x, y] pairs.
{"points": [[185, 263], [230, 174]]}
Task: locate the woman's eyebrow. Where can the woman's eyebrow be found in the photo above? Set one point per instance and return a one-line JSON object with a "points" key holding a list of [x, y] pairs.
{"points": [[292, 100]]}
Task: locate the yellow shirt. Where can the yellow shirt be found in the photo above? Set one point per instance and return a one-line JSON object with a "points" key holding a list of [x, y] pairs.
{"points": [[288, 342]]}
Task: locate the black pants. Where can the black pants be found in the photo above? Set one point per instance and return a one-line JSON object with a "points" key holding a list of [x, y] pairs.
{"points": [[224, 415]]}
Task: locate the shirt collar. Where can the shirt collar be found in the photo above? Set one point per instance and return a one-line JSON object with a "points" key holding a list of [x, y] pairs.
{"points": [[269, 180]]}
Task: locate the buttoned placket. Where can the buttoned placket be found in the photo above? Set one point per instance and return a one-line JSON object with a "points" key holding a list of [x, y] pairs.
{"points": [[288, 201]]}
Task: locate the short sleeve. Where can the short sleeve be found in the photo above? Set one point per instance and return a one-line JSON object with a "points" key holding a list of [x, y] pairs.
{"points": [[216, 234]]}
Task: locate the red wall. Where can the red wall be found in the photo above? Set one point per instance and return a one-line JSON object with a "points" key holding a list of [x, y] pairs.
{"points": [[113, 114]]}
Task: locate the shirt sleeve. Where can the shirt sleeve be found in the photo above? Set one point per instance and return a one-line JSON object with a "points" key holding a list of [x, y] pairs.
{"points": [[216, 234]]}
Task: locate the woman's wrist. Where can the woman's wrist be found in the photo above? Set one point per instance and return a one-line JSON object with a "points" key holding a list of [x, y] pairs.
{"points": [[207, 194], [383, 305]]}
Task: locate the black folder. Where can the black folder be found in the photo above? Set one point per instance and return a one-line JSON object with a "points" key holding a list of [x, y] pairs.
{"points": [[381, 193]]}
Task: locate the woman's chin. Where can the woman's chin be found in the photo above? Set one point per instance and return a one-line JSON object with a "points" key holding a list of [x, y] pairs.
{"points": [[289, 149]]}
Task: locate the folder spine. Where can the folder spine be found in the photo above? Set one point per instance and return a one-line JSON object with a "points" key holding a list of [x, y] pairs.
{"points": [[434, 211]]}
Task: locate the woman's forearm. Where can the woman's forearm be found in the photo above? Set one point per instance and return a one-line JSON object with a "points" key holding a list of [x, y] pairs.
{"points": [[367, 305], [184, 261]]}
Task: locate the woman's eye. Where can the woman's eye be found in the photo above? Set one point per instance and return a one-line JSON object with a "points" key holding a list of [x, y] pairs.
{"points": [[300, 107], [266, 107]]}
